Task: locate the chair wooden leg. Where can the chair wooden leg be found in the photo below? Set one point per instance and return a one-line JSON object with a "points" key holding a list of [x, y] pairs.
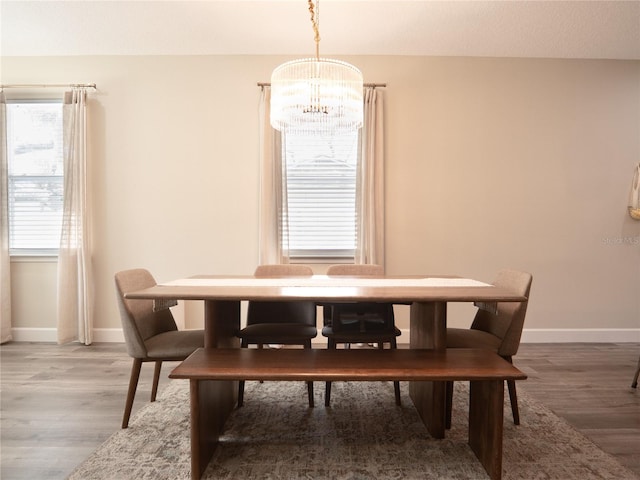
{"points": [[511, 384], [240, 393], [448, 404], [327, 394], [396, 385], [310, 394], [156, 380], [513, 398], [327, 388], [309, 384], [133, 385], [243, 344], [396, 388], [634, 383]]}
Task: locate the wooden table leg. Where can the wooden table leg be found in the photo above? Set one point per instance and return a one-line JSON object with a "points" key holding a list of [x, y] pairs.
{"points": [[221, 324], [429, 330], [212, 401], [486, 402]]}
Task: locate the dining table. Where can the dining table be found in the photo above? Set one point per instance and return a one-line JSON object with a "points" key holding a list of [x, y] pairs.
{"points": [[427, 296]]}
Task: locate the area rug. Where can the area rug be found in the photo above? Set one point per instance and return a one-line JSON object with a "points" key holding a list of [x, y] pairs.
{"points": [[363, 435]]}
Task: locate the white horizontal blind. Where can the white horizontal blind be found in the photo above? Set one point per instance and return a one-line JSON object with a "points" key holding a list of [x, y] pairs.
{"points": [[35, 161], [321, 195]]}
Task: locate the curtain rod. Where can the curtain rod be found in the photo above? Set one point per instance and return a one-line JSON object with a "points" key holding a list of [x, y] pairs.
{"points": [[52, 85], [374, 85]]}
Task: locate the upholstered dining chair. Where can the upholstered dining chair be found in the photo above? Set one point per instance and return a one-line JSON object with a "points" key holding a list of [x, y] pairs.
{"points": [[278, 322], [362, 322], [150, 335], [498, 330]]}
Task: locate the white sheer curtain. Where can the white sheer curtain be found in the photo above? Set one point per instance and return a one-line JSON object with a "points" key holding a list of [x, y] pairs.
{"points": [[272, 187], [75, 285], [370, 182], [5, 265]]}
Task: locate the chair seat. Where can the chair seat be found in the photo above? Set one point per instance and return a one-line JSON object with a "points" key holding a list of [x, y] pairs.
{"points": [[469, 338], [176, 344], [284, 333], [355, 336]]}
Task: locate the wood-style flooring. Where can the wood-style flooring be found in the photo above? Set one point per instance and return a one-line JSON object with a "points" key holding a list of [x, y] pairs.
{"points": [[59, 403]]}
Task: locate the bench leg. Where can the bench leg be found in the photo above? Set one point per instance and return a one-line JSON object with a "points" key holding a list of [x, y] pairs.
{"points": [[210, 400], [213, 401], [196, 468], [486, 401]]}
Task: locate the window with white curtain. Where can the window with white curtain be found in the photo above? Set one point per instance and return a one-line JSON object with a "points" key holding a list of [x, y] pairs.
{"points": [[319, 220], [35, 175]]}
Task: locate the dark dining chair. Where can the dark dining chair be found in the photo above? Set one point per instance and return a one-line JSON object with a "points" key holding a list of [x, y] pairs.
{"points": [[361, 322], [498, 330], [279, 322], [150, 335], [634, 382]]}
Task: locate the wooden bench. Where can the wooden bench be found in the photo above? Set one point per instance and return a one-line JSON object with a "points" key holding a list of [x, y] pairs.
{"points": [[485, 371]]}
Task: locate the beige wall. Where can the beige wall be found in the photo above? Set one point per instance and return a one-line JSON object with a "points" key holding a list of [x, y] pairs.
{"points": [[524, 163]]}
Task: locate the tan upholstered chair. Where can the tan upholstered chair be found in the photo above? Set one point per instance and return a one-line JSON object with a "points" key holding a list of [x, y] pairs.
{"points": [[286, 323], [362, 322], [498, 331], [150, 336]]}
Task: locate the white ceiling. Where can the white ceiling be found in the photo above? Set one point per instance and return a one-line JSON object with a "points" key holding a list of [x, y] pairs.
{"points": [[517, 28]]}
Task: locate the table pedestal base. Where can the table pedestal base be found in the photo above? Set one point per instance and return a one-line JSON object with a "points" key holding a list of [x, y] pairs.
{"points": [[429, 330]]}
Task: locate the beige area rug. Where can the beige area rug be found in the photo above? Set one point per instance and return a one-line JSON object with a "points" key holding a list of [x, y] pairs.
{"points": [[364, 435]]}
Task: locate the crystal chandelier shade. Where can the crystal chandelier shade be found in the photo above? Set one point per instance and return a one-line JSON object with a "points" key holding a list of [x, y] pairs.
{"points": [[316, 96]]}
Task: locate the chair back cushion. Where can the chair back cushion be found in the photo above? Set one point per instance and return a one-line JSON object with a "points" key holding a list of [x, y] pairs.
{"points": [[303, 313], [508, 321], [139, 320], [355, 270], [283, 270], [362, 316]]}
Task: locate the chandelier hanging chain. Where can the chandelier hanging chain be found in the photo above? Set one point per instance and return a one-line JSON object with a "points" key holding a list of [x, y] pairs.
{"points": [[315, 19]]}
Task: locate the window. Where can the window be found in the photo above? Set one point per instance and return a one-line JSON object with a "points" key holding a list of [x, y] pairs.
{"points": [[320, 219], [35, 175], [323, 198]]}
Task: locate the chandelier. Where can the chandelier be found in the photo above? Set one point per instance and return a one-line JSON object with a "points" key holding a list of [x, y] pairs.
{"points": [[316, 96]]}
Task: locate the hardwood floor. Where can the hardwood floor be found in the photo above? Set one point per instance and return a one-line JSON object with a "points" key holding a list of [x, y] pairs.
{"points": [[59, 403], [589, 385]]}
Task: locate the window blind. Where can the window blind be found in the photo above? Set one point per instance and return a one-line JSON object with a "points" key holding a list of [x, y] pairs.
{"points": [[320, 220], [35, 175]]}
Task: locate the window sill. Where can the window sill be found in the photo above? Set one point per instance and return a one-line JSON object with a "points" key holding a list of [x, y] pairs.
{"points": [[34, 258], [320, 260]]}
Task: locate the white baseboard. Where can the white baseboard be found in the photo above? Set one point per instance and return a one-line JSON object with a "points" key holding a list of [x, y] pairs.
{"points": [[581, 335], [568, 335], [108, 335], [49, 335], [536, 335], [44, 335]]}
